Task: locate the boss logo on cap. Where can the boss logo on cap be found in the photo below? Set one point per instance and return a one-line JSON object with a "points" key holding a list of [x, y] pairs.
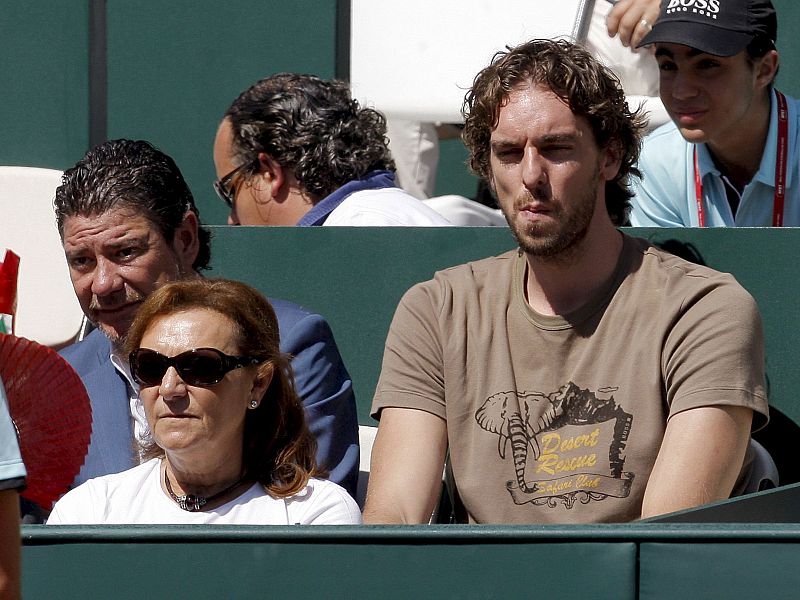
{"points": [[707, 8]]}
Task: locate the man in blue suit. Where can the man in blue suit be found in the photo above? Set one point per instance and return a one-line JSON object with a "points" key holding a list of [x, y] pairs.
{"points": [[128, 223]]}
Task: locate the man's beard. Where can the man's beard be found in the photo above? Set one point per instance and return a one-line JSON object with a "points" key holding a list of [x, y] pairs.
{"points": [[536, 239]]}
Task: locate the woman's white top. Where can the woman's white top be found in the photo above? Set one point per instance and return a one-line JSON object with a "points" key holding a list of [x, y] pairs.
{"points": [[135, 497]]}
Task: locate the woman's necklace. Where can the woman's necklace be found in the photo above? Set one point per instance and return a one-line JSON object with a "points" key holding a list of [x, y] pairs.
{"points": [[192, 503]]}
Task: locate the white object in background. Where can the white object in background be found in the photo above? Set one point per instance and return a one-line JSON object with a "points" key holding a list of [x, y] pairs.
{"points": [[463, 211], [637, 71], [47, 309], [415, 59], [366, 438]]}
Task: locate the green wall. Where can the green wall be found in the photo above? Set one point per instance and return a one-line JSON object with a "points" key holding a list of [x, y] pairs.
{"points": [[599, 562], [788, 45], [44, 82]]}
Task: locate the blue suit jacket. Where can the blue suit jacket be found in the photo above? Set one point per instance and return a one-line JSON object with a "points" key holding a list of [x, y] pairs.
{"points": [[321, 378]]}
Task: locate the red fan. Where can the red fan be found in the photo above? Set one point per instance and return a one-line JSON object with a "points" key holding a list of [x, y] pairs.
{"points": [[51, 410]]}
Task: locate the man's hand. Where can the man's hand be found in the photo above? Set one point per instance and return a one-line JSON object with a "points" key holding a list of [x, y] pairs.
{"points": [[632, 20], [405, 478]]}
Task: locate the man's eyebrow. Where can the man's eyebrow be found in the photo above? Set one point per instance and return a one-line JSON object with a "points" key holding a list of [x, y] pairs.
{"points": [[559, 138], [127, 240], [121, 242], [552, 138], [503, 145]]}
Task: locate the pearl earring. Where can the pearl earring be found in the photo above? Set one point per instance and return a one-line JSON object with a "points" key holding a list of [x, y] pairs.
{"points": [[253, 404]]}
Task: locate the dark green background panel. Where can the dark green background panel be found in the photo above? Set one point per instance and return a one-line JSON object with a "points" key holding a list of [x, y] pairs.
{"points": [[453, 176], [788, 45], [44, 81], [729, 571], [411, 569], [175, 67], [620, 562]]}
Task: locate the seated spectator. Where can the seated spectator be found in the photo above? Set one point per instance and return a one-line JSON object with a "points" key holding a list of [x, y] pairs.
{"points": [[129, 224], [12, 479], [729, 156], [587, 376], [298, 150], [229, 440]]}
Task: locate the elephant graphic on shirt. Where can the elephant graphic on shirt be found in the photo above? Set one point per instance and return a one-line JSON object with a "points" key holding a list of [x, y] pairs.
{"points": [[517, 418]]}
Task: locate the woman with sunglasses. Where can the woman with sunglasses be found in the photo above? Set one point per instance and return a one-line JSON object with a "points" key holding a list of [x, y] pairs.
{"points": [[229, 442]]}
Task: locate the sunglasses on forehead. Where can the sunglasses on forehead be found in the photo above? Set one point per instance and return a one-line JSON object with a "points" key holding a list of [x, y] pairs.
{"points": [[201, 366]]}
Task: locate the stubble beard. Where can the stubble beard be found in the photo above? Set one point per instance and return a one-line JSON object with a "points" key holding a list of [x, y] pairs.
{"points": [[125, 296], [558, 244], [131, 294]]}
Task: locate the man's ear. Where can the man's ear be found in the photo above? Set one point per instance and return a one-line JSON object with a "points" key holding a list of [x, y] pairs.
{"points": [[611, 159], [273, 172], [186, 241], [766, 68]]}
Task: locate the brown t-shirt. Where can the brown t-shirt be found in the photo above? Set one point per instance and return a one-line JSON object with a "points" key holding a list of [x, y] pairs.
{"points": [[560, 419]]}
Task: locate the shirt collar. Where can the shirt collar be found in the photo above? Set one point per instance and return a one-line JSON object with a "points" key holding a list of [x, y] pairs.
{"points": [[121, 365], [371, 181], [766, 168]]}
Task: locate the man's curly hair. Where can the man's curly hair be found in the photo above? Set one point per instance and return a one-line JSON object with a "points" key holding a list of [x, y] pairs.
{"points": [[589, 89], [312, 127]]}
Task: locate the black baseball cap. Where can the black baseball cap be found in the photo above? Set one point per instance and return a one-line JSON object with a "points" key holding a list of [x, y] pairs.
{"points": [[718, 27]]}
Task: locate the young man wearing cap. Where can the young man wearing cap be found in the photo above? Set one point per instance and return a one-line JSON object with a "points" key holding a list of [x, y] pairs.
{"points": [[729, 157]]}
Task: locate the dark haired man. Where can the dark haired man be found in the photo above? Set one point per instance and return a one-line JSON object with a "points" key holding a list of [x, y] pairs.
{"points": [[587, 376], [128, 223], [729, 157], [298, 150]]}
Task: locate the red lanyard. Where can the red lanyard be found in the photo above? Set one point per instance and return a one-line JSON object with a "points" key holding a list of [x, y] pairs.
{"points": [[780, 169]]}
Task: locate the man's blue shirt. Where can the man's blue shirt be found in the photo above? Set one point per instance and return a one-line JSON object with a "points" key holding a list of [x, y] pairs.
{"points": [[666, 195]]}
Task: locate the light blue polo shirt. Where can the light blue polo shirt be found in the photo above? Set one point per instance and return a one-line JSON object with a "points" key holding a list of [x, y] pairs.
{"points": [[12, 471], [666, 195]]}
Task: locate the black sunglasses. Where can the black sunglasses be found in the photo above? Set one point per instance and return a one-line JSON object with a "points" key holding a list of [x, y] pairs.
{"points": [[223, 187], [202, 366]]}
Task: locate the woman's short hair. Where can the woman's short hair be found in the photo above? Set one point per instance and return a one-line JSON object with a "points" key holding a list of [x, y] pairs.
{"points": [[278, 449]]}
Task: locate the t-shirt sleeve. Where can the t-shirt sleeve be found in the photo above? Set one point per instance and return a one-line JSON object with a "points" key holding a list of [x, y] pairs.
{"points": [[79, 506], [412, 374], [714, 354], [324, 503]]}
